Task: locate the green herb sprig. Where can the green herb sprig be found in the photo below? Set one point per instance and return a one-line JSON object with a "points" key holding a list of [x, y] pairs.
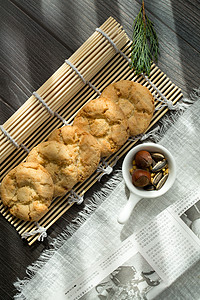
{"points": [[145, 47]]}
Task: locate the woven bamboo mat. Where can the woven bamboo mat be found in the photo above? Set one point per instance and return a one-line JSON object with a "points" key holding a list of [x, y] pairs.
{"points": [[97, 63]]}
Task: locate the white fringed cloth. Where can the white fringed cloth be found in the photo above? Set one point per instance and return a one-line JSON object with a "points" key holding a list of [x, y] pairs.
{"points": [[99, 233]]}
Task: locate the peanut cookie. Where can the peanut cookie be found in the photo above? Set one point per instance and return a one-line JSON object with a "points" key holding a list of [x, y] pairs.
{"points": [[84, 144], [105, 120], [135, 100], [27, 190], [60, 161]]}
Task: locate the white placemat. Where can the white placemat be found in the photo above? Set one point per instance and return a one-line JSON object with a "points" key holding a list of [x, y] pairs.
{"points": [[101, 233]]}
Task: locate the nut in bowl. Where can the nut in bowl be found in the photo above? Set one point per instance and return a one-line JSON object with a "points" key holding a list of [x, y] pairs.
{"points": [[138, 182]]}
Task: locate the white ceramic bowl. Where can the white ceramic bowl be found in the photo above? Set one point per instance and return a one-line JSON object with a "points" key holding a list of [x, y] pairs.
{"points": [[138, 193]]}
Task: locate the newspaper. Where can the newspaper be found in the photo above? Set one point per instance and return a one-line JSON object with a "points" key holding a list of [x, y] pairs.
{"points": [[148, 261]]}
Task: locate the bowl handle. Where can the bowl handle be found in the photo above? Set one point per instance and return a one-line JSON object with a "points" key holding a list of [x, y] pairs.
{"points": [[127, 209]]}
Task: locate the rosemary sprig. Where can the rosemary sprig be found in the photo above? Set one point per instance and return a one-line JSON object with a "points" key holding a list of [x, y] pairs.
{"points": [[145, 47]]}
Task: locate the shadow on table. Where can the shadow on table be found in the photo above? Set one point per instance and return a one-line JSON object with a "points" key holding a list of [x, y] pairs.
{"points": [[182, 47]]}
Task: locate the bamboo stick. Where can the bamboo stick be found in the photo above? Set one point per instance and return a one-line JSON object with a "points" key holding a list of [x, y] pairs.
{"points": [[65, 92]]}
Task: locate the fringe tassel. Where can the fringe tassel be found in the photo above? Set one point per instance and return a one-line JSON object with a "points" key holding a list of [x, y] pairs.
{"points": [[168, 120]]}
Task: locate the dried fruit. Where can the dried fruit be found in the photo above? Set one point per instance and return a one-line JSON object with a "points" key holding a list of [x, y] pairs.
{"points": [[141, 178], [153, 170], [159, 166], [149, 187], [157, 178], [157, 156], [143, 159], [162, 182]]}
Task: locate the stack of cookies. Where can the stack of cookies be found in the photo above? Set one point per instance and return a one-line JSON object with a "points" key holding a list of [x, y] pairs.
{"points": [[72, 153]]}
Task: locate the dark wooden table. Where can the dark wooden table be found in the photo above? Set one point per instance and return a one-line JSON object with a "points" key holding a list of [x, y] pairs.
{"points": [[36, 37]]}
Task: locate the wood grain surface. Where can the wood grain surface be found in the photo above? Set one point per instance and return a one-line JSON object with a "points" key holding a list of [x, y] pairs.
{"points": [[37, 36]]}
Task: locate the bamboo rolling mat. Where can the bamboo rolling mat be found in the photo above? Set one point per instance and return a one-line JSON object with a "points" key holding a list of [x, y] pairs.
{"points": [[65, 92]]}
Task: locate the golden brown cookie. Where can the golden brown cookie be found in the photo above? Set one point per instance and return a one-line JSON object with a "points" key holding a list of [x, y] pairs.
{"points": [[27, 190], [135, 100], [84, 144], [60, 161], [104, 119]]}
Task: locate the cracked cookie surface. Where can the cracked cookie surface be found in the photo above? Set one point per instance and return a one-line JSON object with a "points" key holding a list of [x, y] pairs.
{"points": [[60, 161], [84, 144], [27, 191], [105, 121], [135, 100]]}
